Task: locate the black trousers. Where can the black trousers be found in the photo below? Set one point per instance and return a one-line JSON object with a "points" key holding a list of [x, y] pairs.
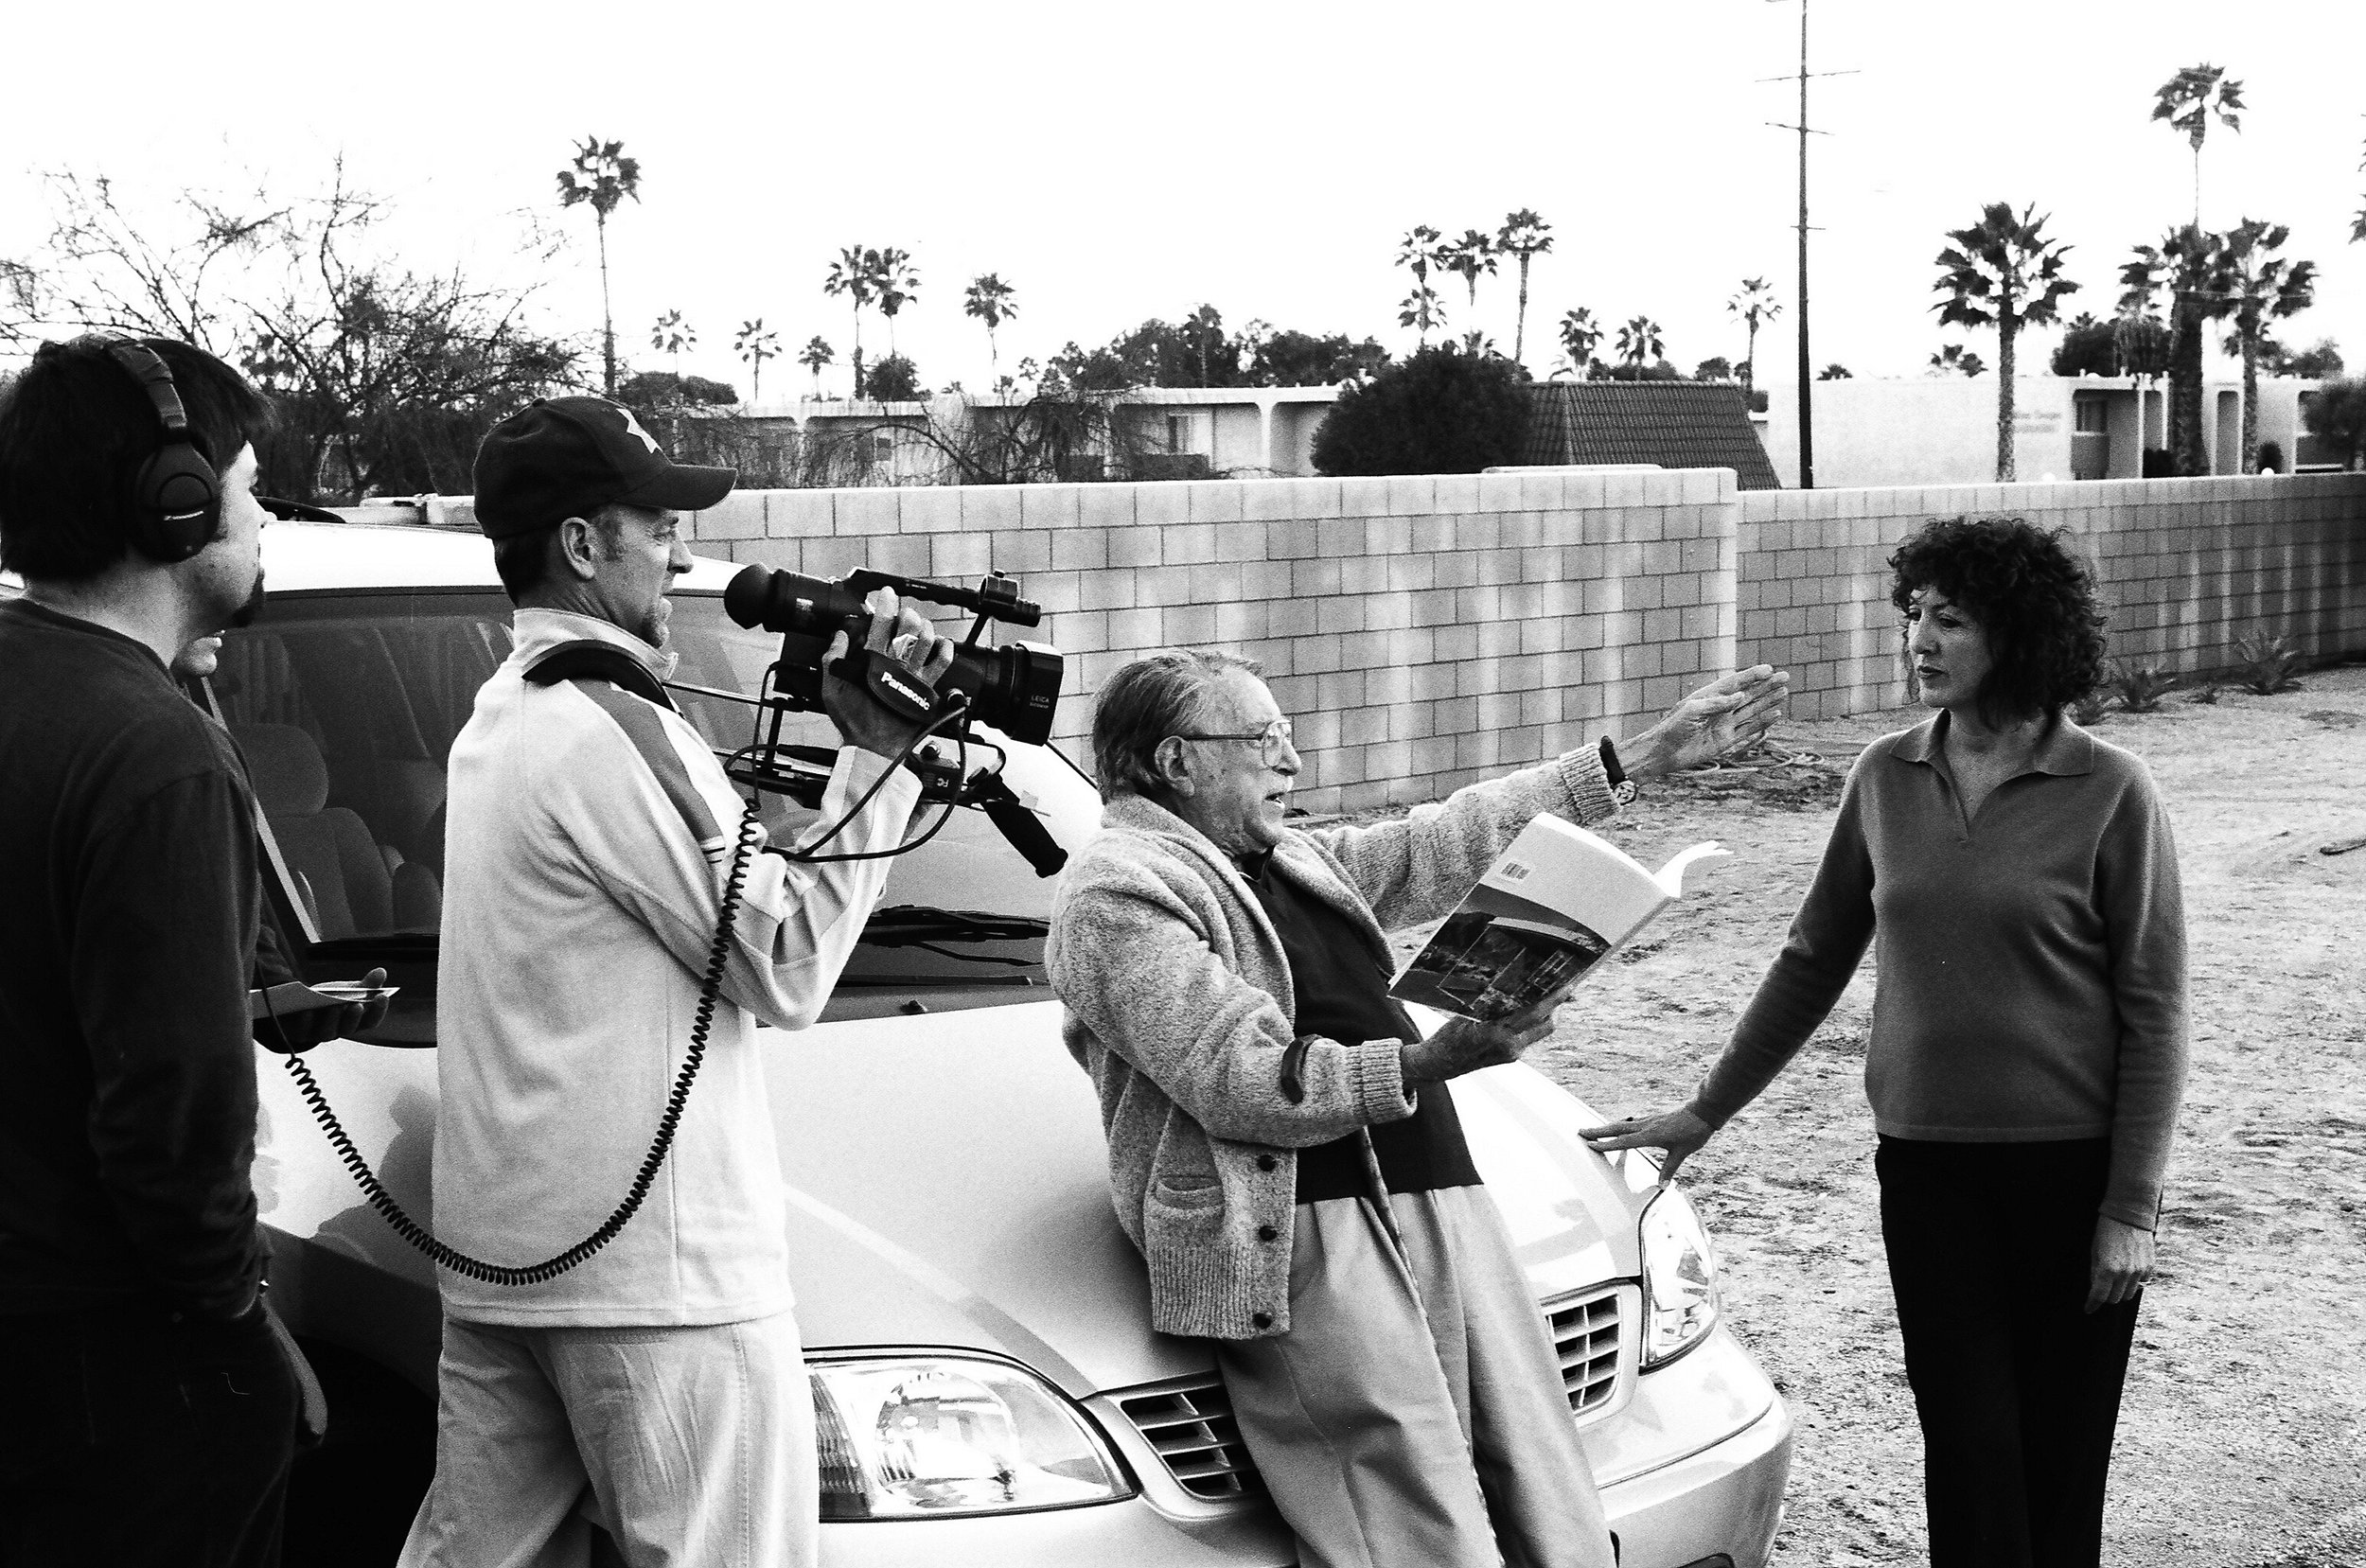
{"points": [[2017, 1385], [129, 1439]]}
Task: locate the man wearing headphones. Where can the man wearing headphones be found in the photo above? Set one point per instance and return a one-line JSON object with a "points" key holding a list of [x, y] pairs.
{"points": [[147, 1411], [591, 841]]}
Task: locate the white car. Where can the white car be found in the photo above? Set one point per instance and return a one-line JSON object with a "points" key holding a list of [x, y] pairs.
{"points": [[956, 1261]]}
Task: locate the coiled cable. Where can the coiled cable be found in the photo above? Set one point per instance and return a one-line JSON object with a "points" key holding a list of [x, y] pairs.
{"points": [[710, 989]]}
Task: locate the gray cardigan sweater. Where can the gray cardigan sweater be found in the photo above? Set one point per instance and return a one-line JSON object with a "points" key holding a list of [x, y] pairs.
{"points": [[1179, 1005]]}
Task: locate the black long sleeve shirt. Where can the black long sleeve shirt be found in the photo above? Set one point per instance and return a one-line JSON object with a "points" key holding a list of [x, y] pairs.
{"points": [[129, 902]]}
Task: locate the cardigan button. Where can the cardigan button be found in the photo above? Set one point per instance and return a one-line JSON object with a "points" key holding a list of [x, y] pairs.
{"points": [[1268, 1233], [1266, 1162], [1261, 1320]]}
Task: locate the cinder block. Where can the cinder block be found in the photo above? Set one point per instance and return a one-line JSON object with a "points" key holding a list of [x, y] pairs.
{"points": [[1080, 549], [1411, 495], [798, 514], [960, 555], [1160, 505], [1499, 493], [1241, 541], [1344, 613], [1114, 588], [929, 508], [1188, 543], [1135, 545], [1136, 629], [1216, 583], [991, 509], [1364, 574], [1213, 499], [738, 516], [1020, 551], [867, 511], [1456, 492], [1314, 579], [1188, 625], [1054, 507]]}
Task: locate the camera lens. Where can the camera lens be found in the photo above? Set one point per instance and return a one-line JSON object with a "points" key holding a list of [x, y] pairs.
{"points": [[793, 603]]}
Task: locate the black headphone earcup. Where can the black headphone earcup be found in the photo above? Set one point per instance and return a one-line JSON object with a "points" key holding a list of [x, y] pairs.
{"points": [[177, 501]]}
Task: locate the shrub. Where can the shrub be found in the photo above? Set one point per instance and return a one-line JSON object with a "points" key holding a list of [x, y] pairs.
{"points": [[2270, 664], [2207, 694], [1441, 412], [2089, 709], [893, 379], [2140, 685], [2336, 415]]}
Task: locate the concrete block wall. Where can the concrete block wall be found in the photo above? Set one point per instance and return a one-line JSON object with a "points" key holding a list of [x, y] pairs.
{"points": [[1424, 631], [2186, 568]]}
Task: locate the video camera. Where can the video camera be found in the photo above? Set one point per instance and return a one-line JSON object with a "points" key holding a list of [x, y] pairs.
{"points": [[1014, 687]]}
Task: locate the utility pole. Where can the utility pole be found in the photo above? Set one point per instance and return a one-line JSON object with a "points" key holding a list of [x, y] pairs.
{"points": [[1807, 365]]}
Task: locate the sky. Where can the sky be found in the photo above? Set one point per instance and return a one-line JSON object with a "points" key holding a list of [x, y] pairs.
{"points": [[1116, 163]]}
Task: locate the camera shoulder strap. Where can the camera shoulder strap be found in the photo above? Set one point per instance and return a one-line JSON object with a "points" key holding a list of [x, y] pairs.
{"points": [[589, 660], [605, 675]]}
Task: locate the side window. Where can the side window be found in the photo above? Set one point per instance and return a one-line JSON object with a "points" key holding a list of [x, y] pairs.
{"points": [[346, 710]]}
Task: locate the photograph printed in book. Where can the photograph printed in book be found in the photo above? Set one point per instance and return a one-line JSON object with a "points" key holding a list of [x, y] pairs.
{"points": [[1553, 905]]}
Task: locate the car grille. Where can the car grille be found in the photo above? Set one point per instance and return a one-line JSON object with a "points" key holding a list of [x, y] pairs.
{"points": [[1585, 1335], [1192, 1429], [1191, 1426]]}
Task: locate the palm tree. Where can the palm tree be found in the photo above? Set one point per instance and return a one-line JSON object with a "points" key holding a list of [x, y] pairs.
{"points": [[993, 302], [754, 344], [1470, 256], [2189, 259], [1953, 360], [813, 357], [671, 335], [2260, 286], [849, 275], [2002, 272], [1639, 342], [2187, 100], [1423, 312], [1422, 251], [894, 283], [1754, 305], [1523, 237], [602, 175], [1579, 337]]}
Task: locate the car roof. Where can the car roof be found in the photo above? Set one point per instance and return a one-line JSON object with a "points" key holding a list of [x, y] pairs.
{"points": [[318, 556]]}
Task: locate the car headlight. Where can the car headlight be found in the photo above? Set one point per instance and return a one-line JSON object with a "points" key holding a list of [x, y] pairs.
{"points": [[935, 1437], [1679, 1279]]}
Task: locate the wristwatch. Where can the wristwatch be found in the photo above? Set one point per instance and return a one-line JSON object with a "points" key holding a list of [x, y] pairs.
{"points": [[1621, 788]]}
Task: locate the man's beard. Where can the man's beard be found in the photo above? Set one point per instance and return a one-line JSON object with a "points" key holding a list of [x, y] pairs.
{"points": [[245, 615]]}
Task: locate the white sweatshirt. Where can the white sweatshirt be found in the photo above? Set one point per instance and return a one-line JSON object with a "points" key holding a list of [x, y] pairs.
{"points": [[589, 835]]}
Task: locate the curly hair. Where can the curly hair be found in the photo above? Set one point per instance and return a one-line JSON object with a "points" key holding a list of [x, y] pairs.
{"points": [[2031, 596]]}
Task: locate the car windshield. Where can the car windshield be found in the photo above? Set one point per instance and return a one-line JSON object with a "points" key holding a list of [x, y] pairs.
{"points": [[346, 706]]}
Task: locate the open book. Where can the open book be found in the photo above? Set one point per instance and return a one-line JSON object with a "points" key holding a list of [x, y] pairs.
{"points": [[1552, 907]]}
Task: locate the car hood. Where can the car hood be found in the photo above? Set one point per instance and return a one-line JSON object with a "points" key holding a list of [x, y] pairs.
{"points": [[948, 1185]]}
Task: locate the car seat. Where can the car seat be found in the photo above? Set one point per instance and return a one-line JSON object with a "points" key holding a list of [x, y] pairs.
{"points": [[349, 883]]}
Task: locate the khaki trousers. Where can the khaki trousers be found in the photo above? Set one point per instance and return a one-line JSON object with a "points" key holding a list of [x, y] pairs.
{"points": [[1413, 1416], [697, 1443]]}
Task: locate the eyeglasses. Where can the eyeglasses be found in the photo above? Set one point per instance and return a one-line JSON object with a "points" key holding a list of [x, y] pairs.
{"points": [[1273, 742]]}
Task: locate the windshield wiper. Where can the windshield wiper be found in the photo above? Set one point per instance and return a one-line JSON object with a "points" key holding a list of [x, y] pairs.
{"points": [[924, 927]]}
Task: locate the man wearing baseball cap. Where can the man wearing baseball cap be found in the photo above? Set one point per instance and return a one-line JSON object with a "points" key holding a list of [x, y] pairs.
{"points": [[590, 836]]}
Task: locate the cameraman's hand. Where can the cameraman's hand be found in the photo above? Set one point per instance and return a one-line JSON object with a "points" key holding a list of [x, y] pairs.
{"points": [[1465, 1045], [292, 1033], [896, 633], [1728, 714]]}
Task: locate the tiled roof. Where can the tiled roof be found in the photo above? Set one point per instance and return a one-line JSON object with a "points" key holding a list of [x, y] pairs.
{"points": [[1674, 424]]}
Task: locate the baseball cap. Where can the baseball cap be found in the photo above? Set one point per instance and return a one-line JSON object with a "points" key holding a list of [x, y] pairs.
{"points": [[566, 457]]}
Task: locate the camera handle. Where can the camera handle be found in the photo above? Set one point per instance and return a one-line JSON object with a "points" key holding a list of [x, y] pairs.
{"points": [[710, 989]]}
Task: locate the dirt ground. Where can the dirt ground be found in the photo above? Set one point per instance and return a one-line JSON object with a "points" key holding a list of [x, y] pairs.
{"points": [[2243, 1437]]}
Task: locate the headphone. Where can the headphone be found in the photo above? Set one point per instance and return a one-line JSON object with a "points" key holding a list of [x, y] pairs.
{"points": [[176, 498]]}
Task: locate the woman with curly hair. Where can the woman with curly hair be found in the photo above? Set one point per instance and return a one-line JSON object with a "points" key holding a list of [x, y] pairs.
{"points": [[2018, 882]]}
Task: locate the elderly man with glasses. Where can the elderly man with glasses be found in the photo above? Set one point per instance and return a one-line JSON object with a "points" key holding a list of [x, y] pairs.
{"points": [[1282, 1146]]}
